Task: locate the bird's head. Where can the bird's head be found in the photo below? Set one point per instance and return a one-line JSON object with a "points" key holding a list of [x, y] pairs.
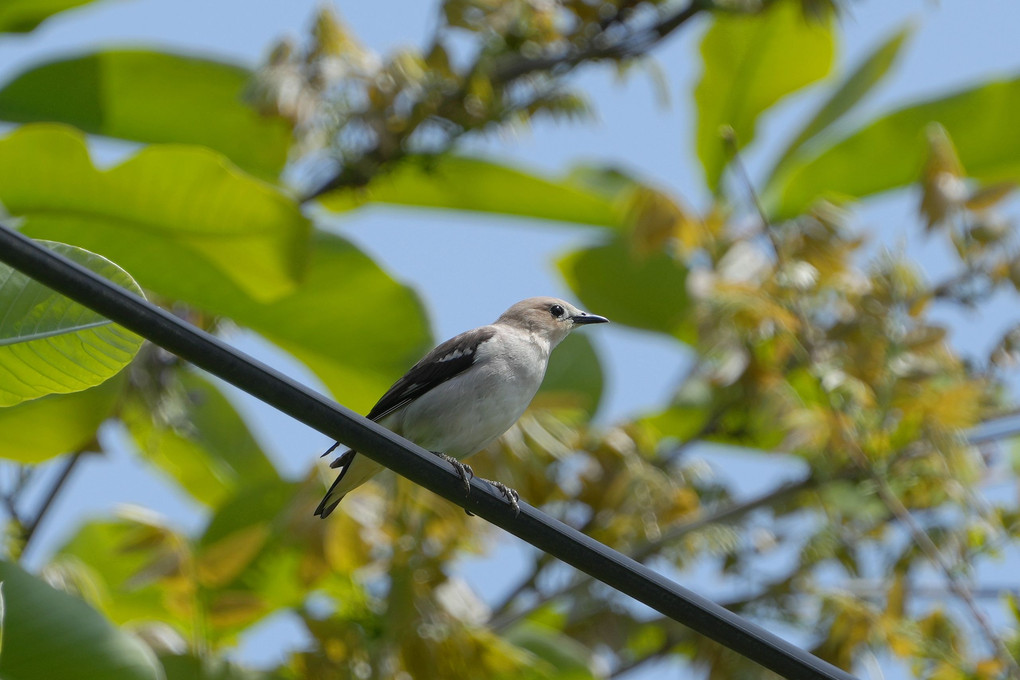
{"points": [[548, 317]]}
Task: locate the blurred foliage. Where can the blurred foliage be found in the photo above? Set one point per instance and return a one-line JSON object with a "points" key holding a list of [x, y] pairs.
{"points": [[150, 96], [808, 349]]}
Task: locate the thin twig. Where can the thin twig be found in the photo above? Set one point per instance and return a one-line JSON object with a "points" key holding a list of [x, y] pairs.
{"points": [[505, 74], [935, 556], [647, 549], [58, 484], [630, 45], [892, 502]]}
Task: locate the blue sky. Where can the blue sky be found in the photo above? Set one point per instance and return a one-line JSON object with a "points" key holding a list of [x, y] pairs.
{"points": [[468, 268]]}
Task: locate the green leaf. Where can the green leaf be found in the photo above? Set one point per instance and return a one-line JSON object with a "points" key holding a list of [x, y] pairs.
{"points": [[131, 567], [644, 291], [893, 149], [189, 667], [49, 634], [458, 183], [149, 96], [751, 62], [203, 443], [574, 378], [1, 617], [848, 94], [21, 16], [27, 432], [339, 321], [52, 345], [184, 207], [570, 659], [255, 553]]}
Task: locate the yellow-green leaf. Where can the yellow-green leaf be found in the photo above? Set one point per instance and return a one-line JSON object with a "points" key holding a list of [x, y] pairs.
{"points": [[151, 96], [848, 93], [175, 208], [458, 183], [893, 149], [750, 63], [27, 432], [52, 345], [49, 634], [21, 16]]}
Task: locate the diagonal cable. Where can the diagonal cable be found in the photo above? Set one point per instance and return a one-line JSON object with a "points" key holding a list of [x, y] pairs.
{"points": [[409, 460]]}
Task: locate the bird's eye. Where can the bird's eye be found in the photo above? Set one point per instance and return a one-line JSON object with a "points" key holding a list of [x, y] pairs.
{"points": [[556, 310]]}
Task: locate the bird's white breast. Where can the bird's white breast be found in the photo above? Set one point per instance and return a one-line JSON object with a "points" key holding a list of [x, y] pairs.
{"points": [[466, 413]]}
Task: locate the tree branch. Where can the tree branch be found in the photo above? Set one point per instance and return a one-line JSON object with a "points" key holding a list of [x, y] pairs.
{"points": [[58, 484], [507, 73]]}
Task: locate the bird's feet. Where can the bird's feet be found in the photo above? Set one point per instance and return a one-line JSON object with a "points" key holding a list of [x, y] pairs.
{"points": [[465, 471], [511, 495]]}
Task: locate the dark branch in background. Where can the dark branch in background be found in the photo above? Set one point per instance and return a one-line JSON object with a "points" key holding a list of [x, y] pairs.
{"points": [[503, 619], [30, 529], [420, 466], [615, 41], [638, 41]]}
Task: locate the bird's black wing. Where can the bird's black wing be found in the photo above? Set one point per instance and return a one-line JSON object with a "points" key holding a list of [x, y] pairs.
{"points": [[446, 361]]}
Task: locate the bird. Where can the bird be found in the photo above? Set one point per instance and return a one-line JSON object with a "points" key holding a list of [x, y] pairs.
{"points": [[467, 392]]}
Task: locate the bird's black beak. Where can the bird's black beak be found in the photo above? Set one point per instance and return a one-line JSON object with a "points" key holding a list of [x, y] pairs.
{"points": [[585, 317]]}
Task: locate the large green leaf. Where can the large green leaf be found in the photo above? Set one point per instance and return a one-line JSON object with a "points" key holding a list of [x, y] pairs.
{"points": [[152, 97], [845, 97], [183, 207], [341, 321], [203, 443], [131, 567], [569, 658], [190, 667], [355, 327], [52, 345], [27, 431], [644, 291], [21, 16], [751, 62], [574, 378], [49, 634], [890, 152], [458, 183]]}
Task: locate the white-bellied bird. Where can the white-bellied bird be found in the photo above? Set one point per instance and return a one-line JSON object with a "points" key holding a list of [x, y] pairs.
{"points": [[467, 392]]}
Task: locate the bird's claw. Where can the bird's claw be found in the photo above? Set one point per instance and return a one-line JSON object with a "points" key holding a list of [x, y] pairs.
{"points": [[511, 495], [464, 470]]}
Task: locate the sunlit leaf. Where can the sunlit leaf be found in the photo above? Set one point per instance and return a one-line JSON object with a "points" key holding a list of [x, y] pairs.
{"points": [[183, 207], [750, 63], [190, 667], [116, 558], [459, 183], [201, 441], [21, 16], [150, 96], [52, 345], [854, 88], [570, 659], [27, 434], [647, 292], [221, 562], [574, 377], [339, 321], [894, 149], [49, 634]]}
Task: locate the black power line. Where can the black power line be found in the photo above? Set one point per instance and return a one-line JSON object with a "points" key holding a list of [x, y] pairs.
{"points": [[545, 533]]}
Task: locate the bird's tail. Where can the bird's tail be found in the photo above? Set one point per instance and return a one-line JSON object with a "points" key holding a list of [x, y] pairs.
{"points": [[356, 471]]}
